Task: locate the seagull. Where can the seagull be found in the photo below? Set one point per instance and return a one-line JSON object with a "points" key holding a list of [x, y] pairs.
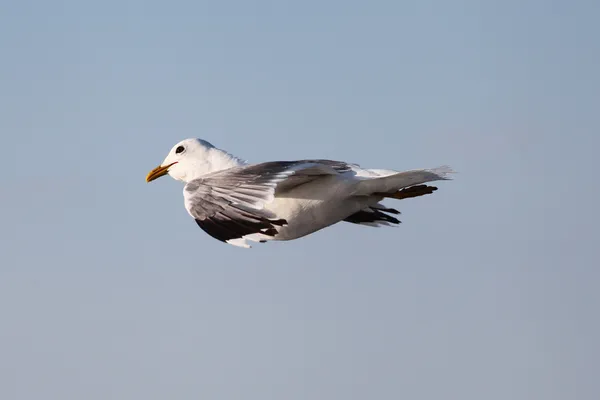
{"points": [[234, 201]]}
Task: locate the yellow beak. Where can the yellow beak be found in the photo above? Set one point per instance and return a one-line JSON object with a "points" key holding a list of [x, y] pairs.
{"points": [[158, 172]]}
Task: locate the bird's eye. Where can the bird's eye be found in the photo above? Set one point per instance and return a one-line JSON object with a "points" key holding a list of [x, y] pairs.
{"points": [[180, 149]]}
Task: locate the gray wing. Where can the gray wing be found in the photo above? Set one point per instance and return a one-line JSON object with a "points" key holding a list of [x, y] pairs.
{"points": [[229, 204]]}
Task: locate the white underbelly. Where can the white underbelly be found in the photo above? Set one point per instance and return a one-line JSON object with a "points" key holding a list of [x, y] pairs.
{"points": [[315, 205]]}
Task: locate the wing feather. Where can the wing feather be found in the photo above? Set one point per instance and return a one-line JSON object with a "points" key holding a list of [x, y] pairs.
{"points": [[230, 204]]}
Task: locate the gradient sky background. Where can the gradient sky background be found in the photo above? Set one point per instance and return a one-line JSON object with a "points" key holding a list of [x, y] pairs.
{"points": [[488, 290]]}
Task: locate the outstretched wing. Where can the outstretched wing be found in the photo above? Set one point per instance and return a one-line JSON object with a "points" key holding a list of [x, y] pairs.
{"points": [[230, 204]]}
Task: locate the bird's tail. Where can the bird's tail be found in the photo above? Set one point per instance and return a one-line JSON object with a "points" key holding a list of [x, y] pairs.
{"points": [[402, 185]]}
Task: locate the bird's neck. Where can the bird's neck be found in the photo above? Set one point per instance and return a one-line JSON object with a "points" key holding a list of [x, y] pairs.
{"points": [[220, 159], [215, 160]]}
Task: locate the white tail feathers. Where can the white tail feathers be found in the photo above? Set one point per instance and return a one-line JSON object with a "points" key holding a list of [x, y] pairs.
{"points": [[443, 172], [394, 182]]}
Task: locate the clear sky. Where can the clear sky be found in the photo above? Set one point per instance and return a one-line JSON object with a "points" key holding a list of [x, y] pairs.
{"points": [[488, 290]]}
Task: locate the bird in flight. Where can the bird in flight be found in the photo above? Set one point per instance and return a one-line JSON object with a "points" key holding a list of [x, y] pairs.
{"points": [[234, 201]]}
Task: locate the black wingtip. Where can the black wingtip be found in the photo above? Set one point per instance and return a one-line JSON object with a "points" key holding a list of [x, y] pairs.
{"points": [[374, 216]]}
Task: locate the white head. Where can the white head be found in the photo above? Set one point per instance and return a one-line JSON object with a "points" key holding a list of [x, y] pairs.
{"points": [[192, 158]]}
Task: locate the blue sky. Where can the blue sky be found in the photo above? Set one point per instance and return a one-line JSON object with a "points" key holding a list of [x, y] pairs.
{"points": [[488, 289]]}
